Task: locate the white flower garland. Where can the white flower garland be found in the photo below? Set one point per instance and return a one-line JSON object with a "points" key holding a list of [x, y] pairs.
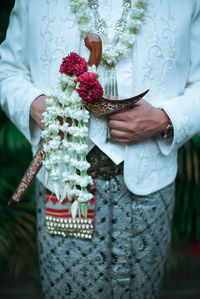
{"points": [[66, 103], [111, 53]]}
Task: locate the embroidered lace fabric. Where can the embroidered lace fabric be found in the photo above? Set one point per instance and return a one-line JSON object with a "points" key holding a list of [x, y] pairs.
{"points": [[155, 46], [126, 256]]}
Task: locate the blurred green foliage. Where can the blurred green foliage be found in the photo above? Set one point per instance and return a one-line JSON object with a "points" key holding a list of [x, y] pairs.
{"points": [[18, 248], [186, 221], [18, 245], [17, 226]]}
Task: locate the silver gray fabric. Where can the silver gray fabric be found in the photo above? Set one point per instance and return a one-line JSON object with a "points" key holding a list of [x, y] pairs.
{"points": [[126, 257]]}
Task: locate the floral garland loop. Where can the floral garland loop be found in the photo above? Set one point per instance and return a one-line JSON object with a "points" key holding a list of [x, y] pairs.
{"points": [[112, 52], [66, 131]]}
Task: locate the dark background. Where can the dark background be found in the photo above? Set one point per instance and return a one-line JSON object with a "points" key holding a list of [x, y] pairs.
{"points": [[19, 271], [18, 247]]}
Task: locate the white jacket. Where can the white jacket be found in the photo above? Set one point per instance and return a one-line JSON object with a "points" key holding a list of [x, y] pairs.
{"points": [[165, 58]]}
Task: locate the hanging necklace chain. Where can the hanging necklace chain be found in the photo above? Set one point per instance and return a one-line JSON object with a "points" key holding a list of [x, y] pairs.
{"points": [[100, 24], [126, 27]]}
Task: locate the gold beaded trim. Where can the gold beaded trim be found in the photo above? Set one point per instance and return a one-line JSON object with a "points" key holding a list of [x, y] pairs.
{"points": [[66, 227]]}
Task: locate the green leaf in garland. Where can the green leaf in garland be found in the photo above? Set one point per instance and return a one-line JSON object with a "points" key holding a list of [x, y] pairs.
{"points": [[84, 209]]}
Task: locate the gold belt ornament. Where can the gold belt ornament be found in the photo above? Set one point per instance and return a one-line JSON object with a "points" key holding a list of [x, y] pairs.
{"points": [[102, 166]]}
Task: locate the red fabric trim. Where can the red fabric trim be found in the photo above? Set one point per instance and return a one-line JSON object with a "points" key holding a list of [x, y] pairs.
{"points": [[64, 210], [65, 213]]}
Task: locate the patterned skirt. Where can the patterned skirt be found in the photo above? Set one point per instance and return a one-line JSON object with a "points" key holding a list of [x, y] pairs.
{"points": [[126, 257]]}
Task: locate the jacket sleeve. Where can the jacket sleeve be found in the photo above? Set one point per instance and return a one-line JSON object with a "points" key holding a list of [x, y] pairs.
{"points": [[17, 91], [184, 110]]}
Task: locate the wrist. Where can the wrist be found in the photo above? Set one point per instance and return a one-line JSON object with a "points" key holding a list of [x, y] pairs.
{"points": [[167, 128]]}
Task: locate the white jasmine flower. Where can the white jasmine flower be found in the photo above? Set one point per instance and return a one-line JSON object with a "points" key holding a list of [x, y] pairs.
{"points": [[60, 112], [66, 144], [80, 115], [84, 196], [122, 50], [47, 164], [75, 192], [46, 116], [53, 110], [83, 181], [66, 176], [81, 165], [46, 148], [138, 12], [110, 55], [71, 130], [54, 128], [73, 177], [49, 101], [74, 98], [82, 15], [54, 144], [64, 127], [79, 148], [55, 173], [127, 38], [55, 158], [78, 132], [86, 116], [57, 138], [66, 159], [83, 131], [69, 80], [135, 24], [45, 134], [66, 111], [62, 98]]}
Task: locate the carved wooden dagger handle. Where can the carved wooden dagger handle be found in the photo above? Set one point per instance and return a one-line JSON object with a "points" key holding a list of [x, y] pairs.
{"points": [[94, 44], [28, 177]]}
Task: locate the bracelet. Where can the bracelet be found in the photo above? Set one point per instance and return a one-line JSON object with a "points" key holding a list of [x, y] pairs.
{"points": [[168, 132]]}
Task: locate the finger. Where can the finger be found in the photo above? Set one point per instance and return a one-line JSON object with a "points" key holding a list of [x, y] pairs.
{"points": [[117, 125], [120, 134], [123, 140]]}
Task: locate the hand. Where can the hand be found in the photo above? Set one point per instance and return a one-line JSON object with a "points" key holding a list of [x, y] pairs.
{"points": [[38, 106], [141, 122]]}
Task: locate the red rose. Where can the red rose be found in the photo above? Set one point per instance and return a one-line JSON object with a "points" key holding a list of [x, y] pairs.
{"points": [[73, 64], [88, 78], [90, 89]]}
